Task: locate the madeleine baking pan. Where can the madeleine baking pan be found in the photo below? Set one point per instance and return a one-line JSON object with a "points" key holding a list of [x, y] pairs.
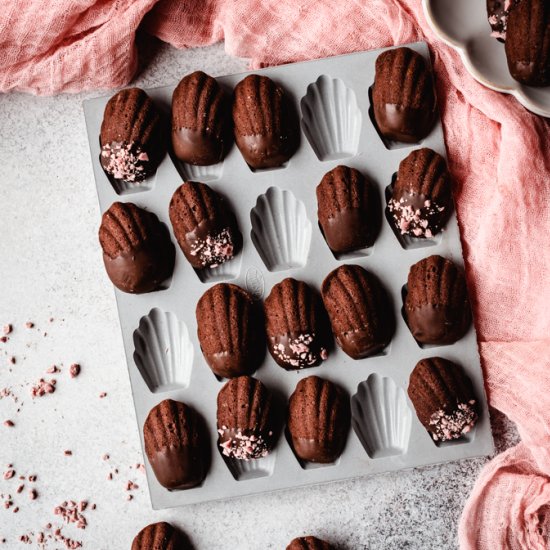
{"points": [[277, 215]]}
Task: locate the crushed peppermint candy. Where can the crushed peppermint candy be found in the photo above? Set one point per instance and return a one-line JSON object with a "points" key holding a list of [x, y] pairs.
{"points": [[74, 370], [297, 351], [6, 329], [214, 249], [446, 426], [42, 387], [500, 10], [241, 445], [413, 220], [124, 161]]}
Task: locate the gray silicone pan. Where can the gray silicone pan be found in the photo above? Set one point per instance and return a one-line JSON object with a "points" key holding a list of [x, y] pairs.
{"points": [[277, 215]]}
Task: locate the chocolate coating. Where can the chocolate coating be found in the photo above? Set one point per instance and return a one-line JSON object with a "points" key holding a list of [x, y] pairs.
{"points": [[266, 127], [443, 398], [204, 225], [528, 42], [230, 330], [132, 137], [359, 311], [309, 543], [245, 419], [403, 97], [295, 324], [318, 420], [200, 120], [346, 210], [421, 200], [436, 308], [137, 251], [160, 536], [174, 445]]}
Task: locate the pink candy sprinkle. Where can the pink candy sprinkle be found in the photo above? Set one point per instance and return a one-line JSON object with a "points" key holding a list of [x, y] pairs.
{"points": [[6, 329], [103, 394], [8, 424], [9, 474]]}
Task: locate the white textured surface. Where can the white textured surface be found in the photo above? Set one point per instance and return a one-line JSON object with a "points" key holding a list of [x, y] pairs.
{"points": [[51, 267]]}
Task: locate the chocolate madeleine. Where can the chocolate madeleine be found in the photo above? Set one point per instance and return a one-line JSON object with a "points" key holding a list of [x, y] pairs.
{"points": [[528, 42], [346, 209], [318, 420], [359, 311], [436, 307], [309, 543], [403, 96], [421, 200], [443, 398], [174, 445], [230, 330], [160, 536], [266, 127], [200, 120], [137, 251], [295, 325], [204, 225], [245, 421], [132, 137]]}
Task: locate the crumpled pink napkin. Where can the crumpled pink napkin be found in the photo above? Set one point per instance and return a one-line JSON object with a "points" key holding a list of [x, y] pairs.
{"points": [[498, 154]]}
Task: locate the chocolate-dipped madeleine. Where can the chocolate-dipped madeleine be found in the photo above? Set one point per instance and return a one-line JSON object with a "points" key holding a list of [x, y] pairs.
{"points": [[204, 225], [132, 137], [443, 398], [318, 420], [403, 96], [436, 308], [265, 125], [346, 208], [309, 543], [421, 200], [295, 325], [245, 419], [160, 536], [359, 311], [230, 330], [200, 120], [137, 251], [174, 445], [528, 42]]}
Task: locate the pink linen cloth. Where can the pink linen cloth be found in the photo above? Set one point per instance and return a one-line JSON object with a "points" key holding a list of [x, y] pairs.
{"points": [[498, 154]]}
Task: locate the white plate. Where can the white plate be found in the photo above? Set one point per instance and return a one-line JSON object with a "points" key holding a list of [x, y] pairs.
{"points": [[463, 25]]}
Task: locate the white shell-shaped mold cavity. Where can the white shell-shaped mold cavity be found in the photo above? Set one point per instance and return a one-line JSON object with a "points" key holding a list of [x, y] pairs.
{"points": [[204, 174], [381, 417], [331, 118], [127, 188], [243, 470], [223, 272], [281, 230], [163, 351]]}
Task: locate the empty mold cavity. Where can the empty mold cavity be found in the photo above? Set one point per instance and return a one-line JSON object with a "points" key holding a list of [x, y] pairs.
{"points": [[305, 464], [244, 470], [381, 417], [388, 143], [163, 351], [408, 242], [331, 118], [281, 230], [223, 272]]}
